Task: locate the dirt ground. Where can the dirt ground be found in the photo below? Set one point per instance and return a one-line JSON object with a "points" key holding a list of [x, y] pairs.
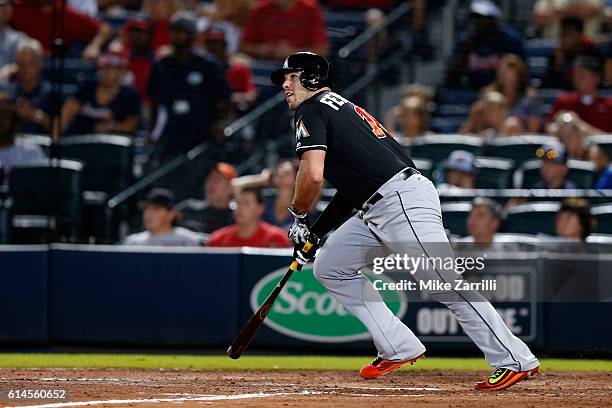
{"points": [[406, 388]]}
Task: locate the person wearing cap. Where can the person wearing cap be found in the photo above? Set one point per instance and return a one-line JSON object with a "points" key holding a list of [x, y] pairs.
{"points": [[554, 170], [593, 109], [249, 229], [104, 105], [276, 28], [28, 89], [160, 218], [135, 43], [478, 52], [460, 170], [188, 94], [214, 212], [9, 38]]}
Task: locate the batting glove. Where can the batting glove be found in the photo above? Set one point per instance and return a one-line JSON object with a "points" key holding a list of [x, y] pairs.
{"points": [[302, 255], [300, 229]]}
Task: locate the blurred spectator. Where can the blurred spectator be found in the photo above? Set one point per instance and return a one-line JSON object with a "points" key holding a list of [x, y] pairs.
{"points": [[572, 43], [188, 94], [137, 48], [594, 110], [392, 120], [282, 178], [228, 15], [237, 68], [460, 170], [214, 212], [277, 210], [484, 221], [574, 219], [412, 120], [26, 86], [161, 11], [35, 18], [249, 229], [160, 218], [8, 37], [512, 81], [277, 28], [476, 56], [554, 170], [105, 105], [489, 117], [13, 152], [572, 133], [549, 14]]}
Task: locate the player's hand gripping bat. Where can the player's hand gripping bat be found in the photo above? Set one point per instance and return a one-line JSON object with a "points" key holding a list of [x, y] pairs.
{"points": [[252, 326]]}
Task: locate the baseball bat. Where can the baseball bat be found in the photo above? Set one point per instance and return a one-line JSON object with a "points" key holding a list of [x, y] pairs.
{"points": [[248, 331]]}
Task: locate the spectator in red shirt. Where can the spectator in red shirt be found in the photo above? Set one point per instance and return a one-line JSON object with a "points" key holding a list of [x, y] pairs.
{"points": [[249, 229], [594, 110], [277, 28], [161, 11], [35, 18]]}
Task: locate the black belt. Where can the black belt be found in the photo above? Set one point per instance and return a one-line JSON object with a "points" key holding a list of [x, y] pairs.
{"points": [[404, 175]]}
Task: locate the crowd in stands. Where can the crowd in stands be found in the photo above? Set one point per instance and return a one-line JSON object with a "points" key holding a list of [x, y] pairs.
{"points": [[174, 73]]}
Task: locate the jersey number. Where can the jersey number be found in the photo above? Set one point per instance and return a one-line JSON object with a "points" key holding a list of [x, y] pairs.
{"points": [[374, 124]]}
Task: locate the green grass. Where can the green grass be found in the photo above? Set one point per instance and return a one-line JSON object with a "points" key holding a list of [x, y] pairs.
{"points": [[254, 362]]}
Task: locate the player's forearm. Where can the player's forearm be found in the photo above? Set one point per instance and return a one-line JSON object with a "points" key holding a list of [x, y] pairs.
{"points": [[309, 180], [307, 189]]}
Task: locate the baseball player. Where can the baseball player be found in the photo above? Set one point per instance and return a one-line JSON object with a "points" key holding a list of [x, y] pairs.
{"points": [[398, 213]]}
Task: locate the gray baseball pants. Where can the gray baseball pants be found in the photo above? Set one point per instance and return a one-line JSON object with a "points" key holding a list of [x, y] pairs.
{"points": [[408, 220]]}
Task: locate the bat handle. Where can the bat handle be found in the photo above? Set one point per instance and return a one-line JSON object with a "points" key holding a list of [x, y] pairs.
{"points": [[294, 265]]}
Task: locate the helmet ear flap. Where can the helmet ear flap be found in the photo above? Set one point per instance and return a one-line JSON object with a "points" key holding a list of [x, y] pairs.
{"points": [[310, 80]]}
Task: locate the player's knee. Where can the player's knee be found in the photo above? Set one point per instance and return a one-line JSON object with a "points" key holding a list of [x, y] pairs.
{"points": [[321, 267]]}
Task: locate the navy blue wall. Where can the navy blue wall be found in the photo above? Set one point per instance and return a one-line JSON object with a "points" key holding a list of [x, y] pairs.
{"points": [[23, 295], [78, 296]]}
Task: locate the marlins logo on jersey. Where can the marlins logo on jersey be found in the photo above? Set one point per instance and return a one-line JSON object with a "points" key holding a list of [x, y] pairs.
{"points": [[300, 133]]}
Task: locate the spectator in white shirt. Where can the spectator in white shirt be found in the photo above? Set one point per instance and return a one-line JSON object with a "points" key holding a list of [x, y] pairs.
{"points": [[160, 217]]}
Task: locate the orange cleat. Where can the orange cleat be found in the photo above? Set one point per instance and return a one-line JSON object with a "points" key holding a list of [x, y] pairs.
{"points": [[503, 378], [380, 367]]}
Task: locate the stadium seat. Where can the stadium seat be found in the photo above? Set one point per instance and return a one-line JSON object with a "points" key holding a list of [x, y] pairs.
{"points": [[603, 141], [494, 172], [457, 96], [45, 192], [107, 160], [44, 141], [446, 124], [531, 218], [538, 52], [581, 172], [518, 148], [603, 215], [425, 166], [453, 111], [454, 215], [605, 239], [437, 148]]}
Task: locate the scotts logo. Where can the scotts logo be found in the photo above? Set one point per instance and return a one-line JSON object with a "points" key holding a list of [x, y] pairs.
{"points": [[305, 310]]}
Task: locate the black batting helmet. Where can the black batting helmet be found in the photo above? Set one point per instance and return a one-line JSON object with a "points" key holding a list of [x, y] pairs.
{"points": [[315, 69]]}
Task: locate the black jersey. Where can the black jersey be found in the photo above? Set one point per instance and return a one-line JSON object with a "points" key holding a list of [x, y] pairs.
{"points": [[361, 155]]}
